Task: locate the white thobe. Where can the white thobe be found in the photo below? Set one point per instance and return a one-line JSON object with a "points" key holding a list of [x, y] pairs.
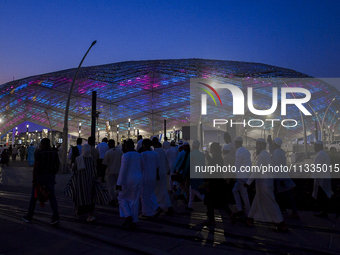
{"points": [[172, 154], [139, 144], [149, 182], [278, 160], [322, 179], [166, 145], [161, 191], [112, 160], [130, 178], [264, 207], [102, 148], [242, 159]]}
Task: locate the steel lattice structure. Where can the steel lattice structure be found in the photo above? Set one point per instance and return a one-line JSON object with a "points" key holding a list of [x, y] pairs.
{"points": [[147, 92]]}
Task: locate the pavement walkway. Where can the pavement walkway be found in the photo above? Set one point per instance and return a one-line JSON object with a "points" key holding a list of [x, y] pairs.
{"points": [[182, 233]]}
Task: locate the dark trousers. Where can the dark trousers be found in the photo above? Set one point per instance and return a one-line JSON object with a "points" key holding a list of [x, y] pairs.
{"points": [[47, 180], [211, 205], [211, 212], [284, 198], [22, 156], [323, 201], [100, 173]]}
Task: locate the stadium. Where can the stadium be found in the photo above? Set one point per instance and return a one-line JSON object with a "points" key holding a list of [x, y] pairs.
{"points": [[149, 92]]}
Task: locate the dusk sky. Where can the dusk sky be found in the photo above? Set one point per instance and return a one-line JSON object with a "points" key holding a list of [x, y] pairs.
{"points": [[43, 36]]}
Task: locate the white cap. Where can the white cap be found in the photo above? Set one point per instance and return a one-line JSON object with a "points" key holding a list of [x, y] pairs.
{"points": [[261, 140], [196, 143], [238, 139], [180, 142], [278, 141], [319, 142], [185, 143], [226, 148]]}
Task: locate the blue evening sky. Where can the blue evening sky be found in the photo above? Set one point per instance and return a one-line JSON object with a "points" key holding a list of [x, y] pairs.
{"points": [[43, 36]]}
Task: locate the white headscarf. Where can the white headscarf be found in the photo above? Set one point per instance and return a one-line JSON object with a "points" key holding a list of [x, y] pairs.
{"points": [[85, 153]]}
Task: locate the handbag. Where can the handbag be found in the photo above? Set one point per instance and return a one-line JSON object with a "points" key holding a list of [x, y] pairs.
{"points": [[42, 194]]}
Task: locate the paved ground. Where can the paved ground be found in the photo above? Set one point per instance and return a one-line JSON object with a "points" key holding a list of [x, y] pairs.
{"points": [[182, 233]]}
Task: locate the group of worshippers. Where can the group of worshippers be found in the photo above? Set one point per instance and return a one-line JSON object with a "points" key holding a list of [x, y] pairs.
{"points": [[143, 173], [143, 176], [273, 189]]}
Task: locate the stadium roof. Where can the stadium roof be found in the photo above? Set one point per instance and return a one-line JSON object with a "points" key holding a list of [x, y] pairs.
{"points": [[147, 92]]}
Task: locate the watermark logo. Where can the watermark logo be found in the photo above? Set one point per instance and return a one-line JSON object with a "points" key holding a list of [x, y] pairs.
{"points": [[204, 97], [238, 99]]}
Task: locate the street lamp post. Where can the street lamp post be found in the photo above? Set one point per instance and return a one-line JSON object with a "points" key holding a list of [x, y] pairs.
{"points": [[129, 124], [333, 117], [335, 124], [79, 129], [117, 133], [27, 133], [98, 135], [65, 129]]}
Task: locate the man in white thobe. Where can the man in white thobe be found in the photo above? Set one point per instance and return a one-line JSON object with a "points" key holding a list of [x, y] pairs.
{"points": [[111, 165], [264, 207], [130, 184], [239, 190], [229, 142], [322, 191], [166, 145], [102, 148], [282, 182], [172, 154], [161, 192], [150, 207]]}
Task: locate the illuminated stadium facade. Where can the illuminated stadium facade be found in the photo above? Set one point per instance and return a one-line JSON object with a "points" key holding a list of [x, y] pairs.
{"points": [[147, 92]]}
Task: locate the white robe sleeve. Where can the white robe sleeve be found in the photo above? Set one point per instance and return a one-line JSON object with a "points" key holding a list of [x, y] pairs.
{"points": [[123, 171], [167, 164], [260, 161]]}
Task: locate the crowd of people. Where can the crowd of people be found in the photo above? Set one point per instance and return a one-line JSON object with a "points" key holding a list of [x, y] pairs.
{"points": [[7, 152], [150, 173]]}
